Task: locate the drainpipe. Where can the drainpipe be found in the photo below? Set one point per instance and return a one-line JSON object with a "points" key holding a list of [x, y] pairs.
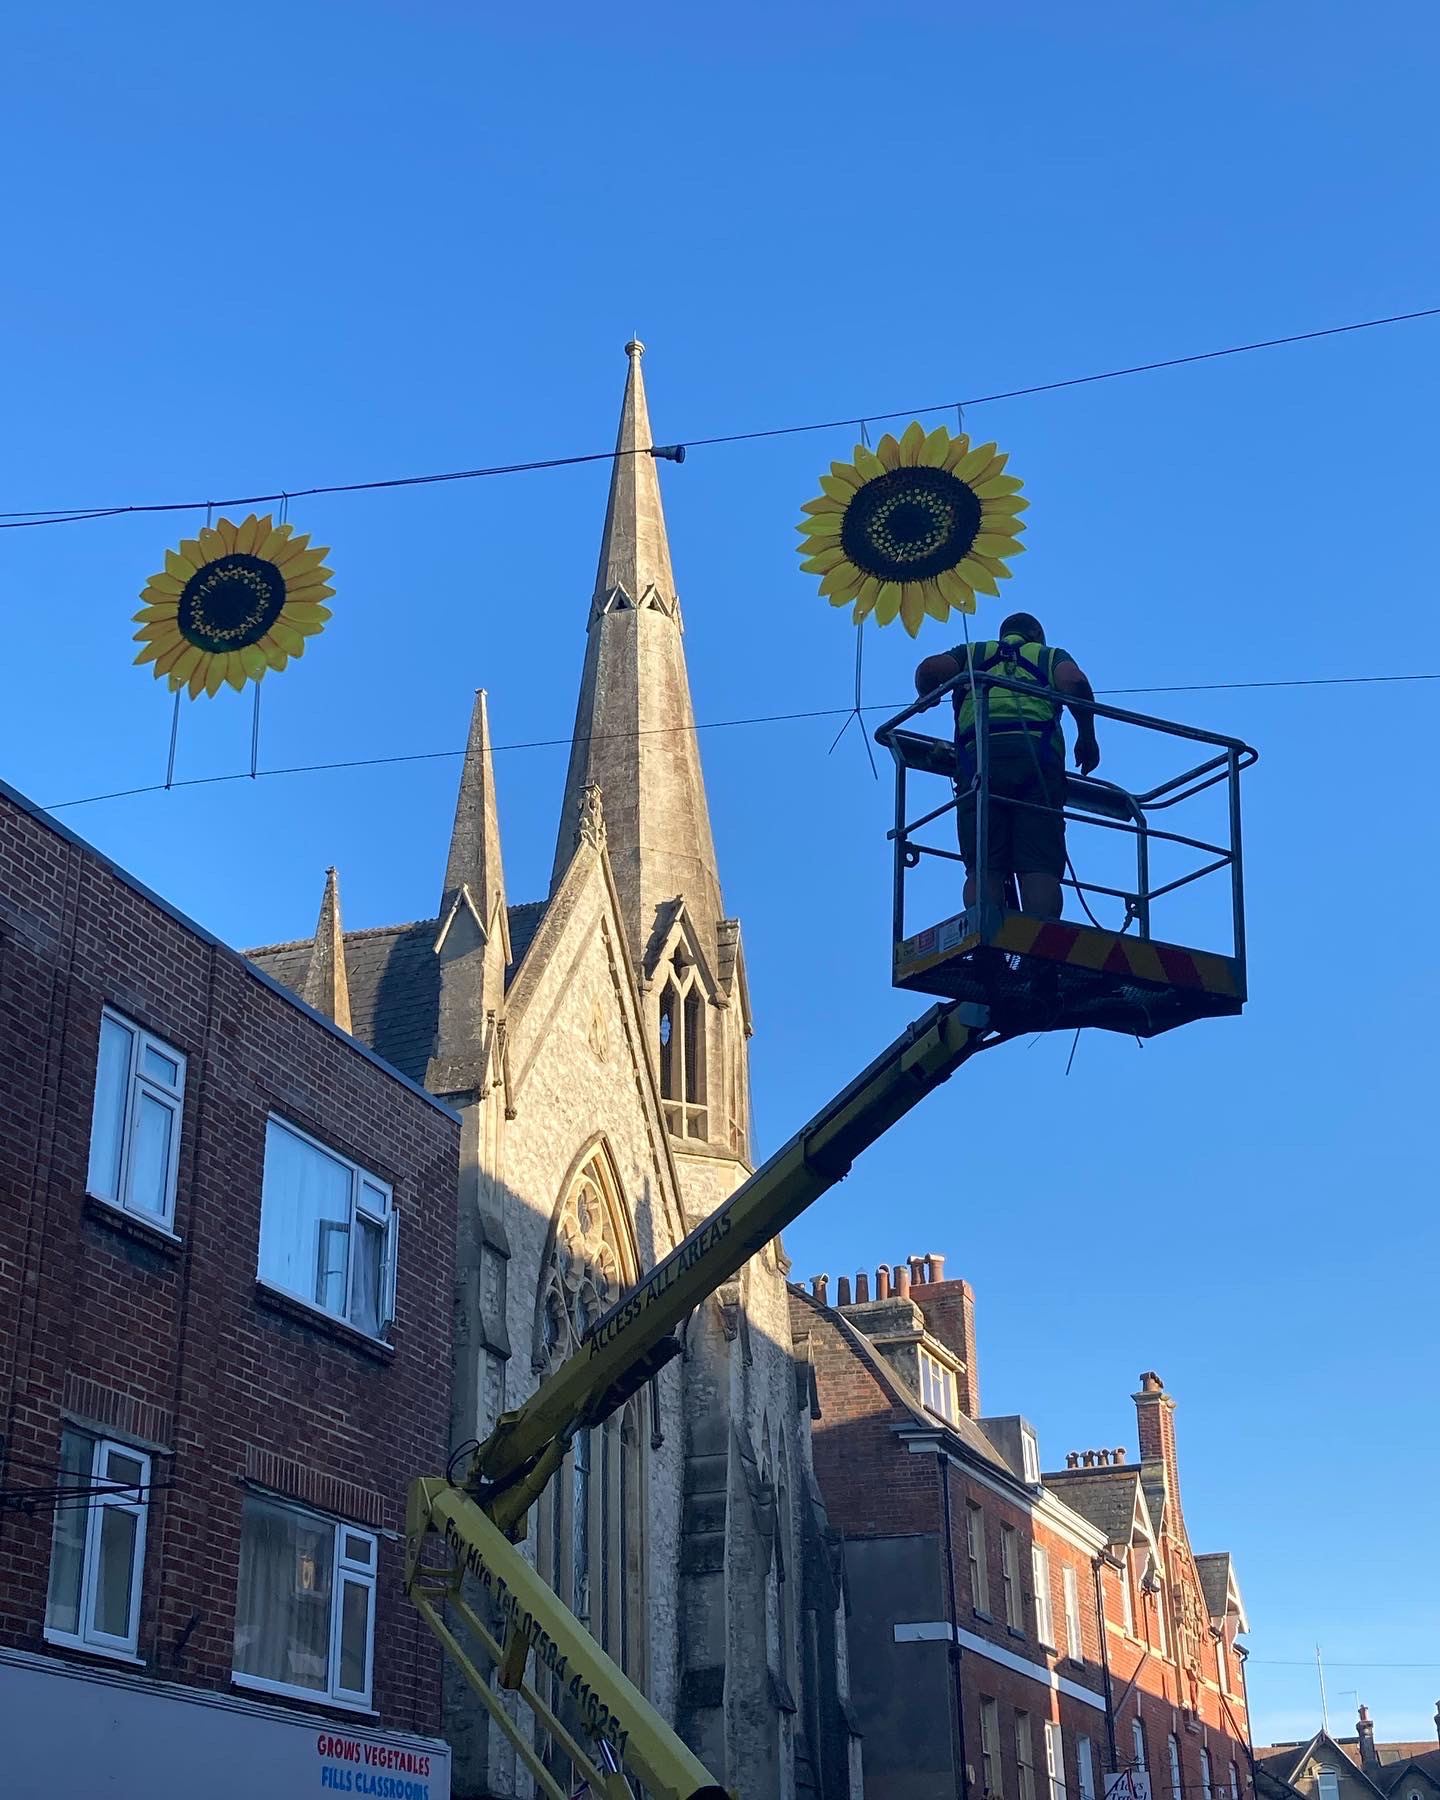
{"points": [[1242, 1657], [1097, 1563], [962, 1783]]}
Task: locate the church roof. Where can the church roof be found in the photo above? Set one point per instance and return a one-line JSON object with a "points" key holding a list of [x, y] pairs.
{"points": [[394, 977]]}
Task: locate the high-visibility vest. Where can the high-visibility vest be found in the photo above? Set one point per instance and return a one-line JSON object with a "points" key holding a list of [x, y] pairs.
{"points": [[1008, 710]]}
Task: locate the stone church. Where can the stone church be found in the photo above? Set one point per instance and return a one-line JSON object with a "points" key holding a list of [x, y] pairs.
{"points": [[595, 1043]]}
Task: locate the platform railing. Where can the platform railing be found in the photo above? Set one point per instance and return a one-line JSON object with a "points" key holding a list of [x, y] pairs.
{"points": [[1088, 802]]}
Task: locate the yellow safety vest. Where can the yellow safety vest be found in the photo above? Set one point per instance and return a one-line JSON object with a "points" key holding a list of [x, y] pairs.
{"points": [[1010, 711]]}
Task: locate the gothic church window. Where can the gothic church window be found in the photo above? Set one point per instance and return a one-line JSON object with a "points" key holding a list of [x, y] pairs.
{"points": [[682, 1050], [588, 1530]]}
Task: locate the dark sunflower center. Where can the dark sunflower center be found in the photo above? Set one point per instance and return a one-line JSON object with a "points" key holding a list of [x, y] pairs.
{"points": [[231, 602], [910, 524]]}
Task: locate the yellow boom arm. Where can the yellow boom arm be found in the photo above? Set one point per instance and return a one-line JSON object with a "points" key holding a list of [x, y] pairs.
{"points": [[620, 1351]]}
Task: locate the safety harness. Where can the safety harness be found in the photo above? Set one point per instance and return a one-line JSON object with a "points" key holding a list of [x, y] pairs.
{"points": [[1010, 710]]}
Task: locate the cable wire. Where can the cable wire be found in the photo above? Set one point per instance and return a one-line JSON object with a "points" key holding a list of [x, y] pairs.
{"points": [[821, 712], [74, 515]]}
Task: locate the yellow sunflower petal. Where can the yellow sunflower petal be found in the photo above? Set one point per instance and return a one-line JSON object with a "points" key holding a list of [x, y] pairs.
{"points": [[215, 675], [306, 627], [193, 551], [955, 590], [271, 546], [912, 607], [888, 451], [823, 561], [184, 665], [1004, 503], [868, 594], [1001, 524], [935, 449], [820, 525], [196, 683], [977, 576], [274, 655], [225, 530], [161, 609], [246, 534], [936, 604], [837, 489], [994, 467], [911, 444], [867, 463], [310, 594], [959, 450], [843, 580], [997, 485], [157, 629], [295, 547], [165, 584], [252, 658], [305, 612], [178, 566], [970, 465], [171, 655], [148, 653], [847, 475], [296, 567], [823, 505], [887, 602], [235, 670], [212, 545], [997, 547], [288, 638]]}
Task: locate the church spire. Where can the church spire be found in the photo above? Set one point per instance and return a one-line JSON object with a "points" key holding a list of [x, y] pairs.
{"points": [[634, 551], [327, 987], [635, 726], [474, 861]]}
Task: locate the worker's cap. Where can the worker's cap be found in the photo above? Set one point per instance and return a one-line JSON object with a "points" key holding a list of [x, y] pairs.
{"points": [[1028, 624]]}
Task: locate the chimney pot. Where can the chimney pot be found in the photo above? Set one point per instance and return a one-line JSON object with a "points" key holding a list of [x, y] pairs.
{"points": [[902, 1281], [1072, 1459], [1120, 1453], [842, 1291], [1103, 1458], [882, 1282], [821, 1285], [918, 1273], [937, 1267], [1088, 1459], [862, 1288], [1150, 1383]]}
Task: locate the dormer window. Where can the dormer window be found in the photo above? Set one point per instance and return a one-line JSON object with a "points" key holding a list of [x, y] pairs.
{"points": [[937, 1386], [1029, 1454], [682, 1050]]}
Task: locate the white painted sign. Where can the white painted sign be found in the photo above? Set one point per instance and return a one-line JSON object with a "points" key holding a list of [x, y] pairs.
{"points": [[109, 1735], [1128, 1784]]}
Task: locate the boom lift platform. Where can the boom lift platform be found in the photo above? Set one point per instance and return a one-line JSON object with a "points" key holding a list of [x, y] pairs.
{"points": [[464, 1569]]}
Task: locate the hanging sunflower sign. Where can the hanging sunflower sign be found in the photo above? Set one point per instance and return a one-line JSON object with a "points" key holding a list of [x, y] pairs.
{"points": [[920, 524], [232, 603]]}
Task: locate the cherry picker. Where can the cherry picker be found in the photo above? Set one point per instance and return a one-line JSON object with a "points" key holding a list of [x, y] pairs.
{"points": [[998, 974]]}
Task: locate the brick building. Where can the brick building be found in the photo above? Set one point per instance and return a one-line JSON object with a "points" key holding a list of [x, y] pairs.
{"points": [[1024, 1633], [1354, 1768], [219, 1364]]}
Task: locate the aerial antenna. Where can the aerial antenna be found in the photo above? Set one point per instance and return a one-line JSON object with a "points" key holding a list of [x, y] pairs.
{"points": [[1324, 1709]]}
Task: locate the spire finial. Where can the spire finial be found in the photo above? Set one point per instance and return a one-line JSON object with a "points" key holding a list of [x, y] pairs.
{"points": [[327, 986], [634, 349]]}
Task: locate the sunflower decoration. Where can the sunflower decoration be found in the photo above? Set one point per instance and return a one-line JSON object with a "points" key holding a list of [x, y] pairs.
{"points": [[232, 603], [918, 525]]}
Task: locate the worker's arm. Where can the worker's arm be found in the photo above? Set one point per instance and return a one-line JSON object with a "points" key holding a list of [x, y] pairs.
{"points": [[935, 671], [1069, 678]]}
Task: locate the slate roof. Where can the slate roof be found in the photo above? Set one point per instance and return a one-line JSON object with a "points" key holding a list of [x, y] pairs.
{"points": [[1213, 1569], [1105, 1498], [394, 979]]}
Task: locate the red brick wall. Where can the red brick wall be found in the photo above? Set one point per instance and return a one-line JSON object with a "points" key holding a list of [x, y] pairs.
{"points": [[173, 1342]]}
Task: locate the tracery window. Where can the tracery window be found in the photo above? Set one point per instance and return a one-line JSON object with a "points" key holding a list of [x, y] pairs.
{"points": [[682, 1049], [588, 1536]]}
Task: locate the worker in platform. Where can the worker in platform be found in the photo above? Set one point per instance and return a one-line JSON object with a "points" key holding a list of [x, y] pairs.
{"points": [[1026, 754]]}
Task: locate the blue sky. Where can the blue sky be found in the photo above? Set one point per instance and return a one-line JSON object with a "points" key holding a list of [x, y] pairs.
{"points": [[320, 245]]}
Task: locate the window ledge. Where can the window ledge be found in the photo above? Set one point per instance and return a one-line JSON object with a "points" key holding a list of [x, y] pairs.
{"points": [[1015, 1632], [1075, 1662], [81, 1648], [980, 1613], [134, 1225], [305, 1314], [1049, 1648], [254, 1684]]}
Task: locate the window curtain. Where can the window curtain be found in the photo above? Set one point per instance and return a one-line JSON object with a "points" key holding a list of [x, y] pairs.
{"points": [[305, 1221], [282, 1620]]}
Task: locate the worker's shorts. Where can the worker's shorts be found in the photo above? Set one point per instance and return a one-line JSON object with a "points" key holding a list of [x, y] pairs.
{"points": [[1025, 839]]}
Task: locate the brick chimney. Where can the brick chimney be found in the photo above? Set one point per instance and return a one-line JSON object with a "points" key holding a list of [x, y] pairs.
{"points": [[949, 1309], [1155, 1414], [1365, 1731]]}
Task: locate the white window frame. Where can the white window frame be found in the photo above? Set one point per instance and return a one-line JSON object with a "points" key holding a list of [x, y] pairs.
{"points": [[975, 1555], [1207, 1775], [1070, 1584], [1055, 1759], [1222, 1663], [388, 1215], [343, 1569], [1137, 1743], [1010, 1577], [1327, 1784], [991, 1767], [1235, 1782], [1044, 1610], [1177, 1778], [1127, 1598], [1085, 1768], [138, 1086], [937, 1387], [1030, 1455], [107, 1495]]}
